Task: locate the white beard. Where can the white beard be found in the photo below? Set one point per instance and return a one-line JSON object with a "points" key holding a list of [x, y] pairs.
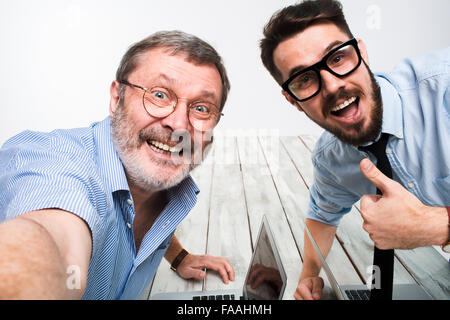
{"points": [[149, 178]]}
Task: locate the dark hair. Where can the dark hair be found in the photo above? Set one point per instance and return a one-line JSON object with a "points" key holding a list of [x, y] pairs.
{"points": [[197, 51], [291, 20]]}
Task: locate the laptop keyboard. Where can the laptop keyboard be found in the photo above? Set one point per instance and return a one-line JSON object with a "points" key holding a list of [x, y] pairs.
{"points": [[358, 294], [216, 297]]}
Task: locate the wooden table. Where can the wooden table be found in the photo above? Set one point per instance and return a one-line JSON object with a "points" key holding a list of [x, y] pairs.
{"points": [[247, 177]]}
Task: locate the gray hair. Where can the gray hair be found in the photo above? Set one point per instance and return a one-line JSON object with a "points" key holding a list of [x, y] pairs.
{"points": [[197, 51]]}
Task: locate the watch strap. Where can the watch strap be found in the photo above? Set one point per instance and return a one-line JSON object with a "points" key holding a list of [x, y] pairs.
{"points": [[176, 262]]}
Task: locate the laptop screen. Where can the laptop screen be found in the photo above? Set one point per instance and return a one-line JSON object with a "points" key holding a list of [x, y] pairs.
{"points": [[266, 278]]}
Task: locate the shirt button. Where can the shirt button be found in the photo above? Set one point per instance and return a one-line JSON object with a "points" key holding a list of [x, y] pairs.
{"points": [[411, 185], [130, 202], [129, 225], [388, 150]]}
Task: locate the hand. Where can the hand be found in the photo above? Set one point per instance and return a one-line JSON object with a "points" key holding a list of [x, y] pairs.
{"points": [[398, 219], [309, 289], [192, 267]]}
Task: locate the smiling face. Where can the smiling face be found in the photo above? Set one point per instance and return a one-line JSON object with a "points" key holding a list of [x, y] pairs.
{"points": [[150, 147], [349, 107]]}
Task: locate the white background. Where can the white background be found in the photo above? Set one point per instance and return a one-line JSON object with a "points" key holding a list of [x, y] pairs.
{"points": [[58, 58]]}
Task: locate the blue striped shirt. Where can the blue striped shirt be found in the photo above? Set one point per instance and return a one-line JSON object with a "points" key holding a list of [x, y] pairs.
{"points": [[78, 170], [416, 115]]}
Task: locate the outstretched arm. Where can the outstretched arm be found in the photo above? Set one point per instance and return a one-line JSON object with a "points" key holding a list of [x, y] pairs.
{"points": [[40, 252]]}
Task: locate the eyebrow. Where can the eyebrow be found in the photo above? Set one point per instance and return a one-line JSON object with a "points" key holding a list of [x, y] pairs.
{"points": [[325, 51], [204, 93]]}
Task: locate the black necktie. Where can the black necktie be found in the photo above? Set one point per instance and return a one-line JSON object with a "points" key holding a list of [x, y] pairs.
{"points": [[384, 259]]}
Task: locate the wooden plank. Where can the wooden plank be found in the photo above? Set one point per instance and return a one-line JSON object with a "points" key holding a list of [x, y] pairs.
{"points": [[262, 199], [192, 233], [228, 233], [309, 141], [294, 197], [430, 268]]}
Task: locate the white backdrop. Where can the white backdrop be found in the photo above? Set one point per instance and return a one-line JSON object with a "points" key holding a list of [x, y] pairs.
{"points": [[58, 58]]}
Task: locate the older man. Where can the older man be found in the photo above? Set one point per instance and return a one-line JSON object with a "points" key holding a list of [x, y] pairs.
{"points": [[103, 202], [323, 71]]}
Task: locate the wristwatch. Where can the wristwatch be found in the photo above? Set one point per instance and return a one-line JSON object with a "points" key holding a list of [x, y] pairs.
{"points": [[446, 247], [176, 262]]}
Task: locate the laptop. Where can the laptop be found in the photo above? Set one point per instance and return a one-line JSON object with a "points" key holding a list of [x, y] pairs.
{"points": [[362, 292], [265, 280]]}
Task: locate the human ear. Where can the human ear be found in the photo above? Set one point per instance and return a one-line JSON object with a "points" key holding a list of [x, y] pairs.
{"points": [[114, 92], [363, 50]]}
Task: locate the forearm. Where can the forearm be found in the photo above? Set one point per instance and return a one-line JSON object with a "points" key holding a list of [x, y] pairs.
{"points": [[31, 266], [173, 250], [323, 234], [434, 230]]}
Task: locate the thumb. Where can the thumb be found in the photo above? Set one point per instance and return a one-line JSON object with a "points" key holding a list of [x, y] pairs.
{"points": [[374, 175], [198, 274], [188, 272]]}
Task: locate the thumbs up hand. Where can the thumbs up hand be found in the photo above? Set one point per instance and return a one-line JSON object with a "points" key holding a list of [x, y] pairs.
{"points": [[398, 219]]}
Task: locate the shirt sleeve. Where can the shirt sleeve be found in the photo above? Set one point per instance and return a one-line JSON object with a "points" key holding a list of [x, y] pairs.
{"points": [[329, 201], [34, 178]]}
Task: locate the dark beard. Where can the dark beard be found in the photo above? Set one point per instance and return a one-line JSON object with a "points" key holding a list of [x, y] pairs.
{"points": [[375, 118]]}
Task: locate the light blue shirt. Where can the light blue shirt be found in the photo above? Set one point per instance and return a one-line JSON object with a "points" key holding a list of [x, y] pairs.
{"points": [[416, 99], [79, 171]]}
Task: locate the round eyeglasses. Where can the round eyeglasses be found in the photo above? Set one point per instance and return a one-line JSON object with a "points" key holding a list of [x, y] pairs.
{"points": [[160, 102], [341, 61]]}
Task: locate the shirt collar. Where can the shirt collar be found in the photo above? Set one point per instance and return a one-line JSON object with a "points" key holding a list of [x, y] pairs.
{"points": [[392, 108]]}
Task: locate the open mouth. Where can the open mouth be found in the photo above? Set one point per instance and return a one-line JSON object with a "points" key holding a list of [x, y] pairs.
{"points": [[164, 148], [347, 110]]}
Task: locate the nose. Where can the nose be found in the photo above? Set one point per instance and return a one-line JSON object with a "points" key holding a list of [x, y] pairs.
{"points": [[178, 119], [330, 83]]}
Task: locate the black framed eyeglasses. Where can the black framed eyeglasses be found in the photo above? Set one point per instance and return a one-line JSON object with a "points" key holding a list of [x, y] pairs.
{"points": [[160, 102], [340, 62]]}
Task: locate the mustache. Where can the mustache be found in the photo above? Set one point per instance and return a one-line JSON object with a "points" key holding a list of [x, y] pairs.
{"points": [[181, 138], [331, 100], [162, 135]]}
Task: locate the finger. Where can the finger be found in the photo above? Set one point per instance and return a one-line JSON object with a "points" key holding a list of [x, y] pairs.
{"points": [[366, 203], [199, 274], [303, 291], [374, 175], [192, 273], [224, 274], [368, 200], [365, 226], [227, 268], [317, 288], [297, 295], [230, 270], [221, 265]]}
